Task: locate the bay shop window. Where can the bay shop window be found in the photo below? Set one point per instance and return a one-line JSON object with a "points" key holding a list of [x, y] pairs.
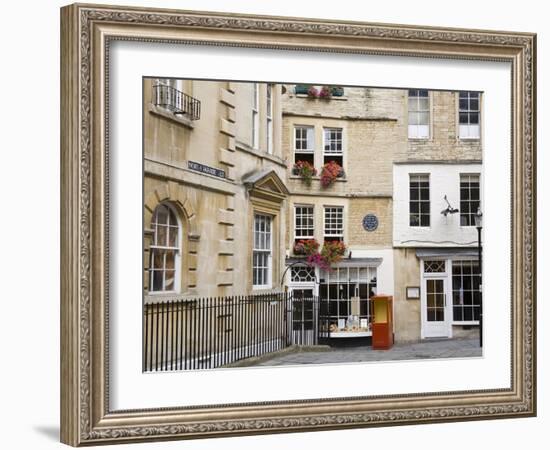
{"points": [[345, 304]]}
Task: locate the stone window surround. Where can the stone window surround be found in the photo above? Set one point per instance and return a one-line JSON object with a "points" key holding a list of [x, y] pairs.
{"points": [[319, 148], [190, 238]]}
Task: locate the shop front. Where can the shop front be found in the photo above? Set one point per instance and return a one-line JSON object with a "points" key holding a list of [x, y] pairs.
{"points": [[341, 309]]}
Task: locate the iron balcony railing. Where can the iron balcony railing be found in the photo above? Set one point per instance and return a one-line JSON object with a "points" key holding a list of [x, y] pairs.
{"points": [[176, 101]]}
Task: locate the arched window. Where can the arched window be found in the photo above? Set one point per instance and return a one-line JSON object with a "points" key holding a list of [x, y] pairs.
{"points": [[164, 267]]}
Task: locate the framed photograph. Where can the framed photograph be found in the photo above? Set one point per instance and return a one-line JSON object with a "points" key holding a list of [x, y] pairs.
{"points": [[249, 202], [413, 292]]}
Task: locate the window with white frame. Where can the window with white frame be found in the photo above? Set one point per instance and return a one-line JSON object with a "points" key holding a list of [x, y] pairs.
{"points": [[466, 291], [302, 274], [334, 223], [261, 252], [346, 294], [255, 115], [332, 145], [419, 114], [303, 222], [304, 144], [269, 118], [469, 199], [468, 115], [419, 200], [164, 250]]}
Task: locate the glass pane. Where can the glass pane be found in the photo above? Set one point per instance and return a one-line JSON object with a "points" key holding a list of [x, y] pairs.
{"points": [[425, 221], [463, 118], [457, 313], [157, 280], [413, 118], [161, 214], [414, 193], [431, 315], [169, 280], [424, 207], [423, 104], [474, 104], [463, 103], [171, 217], [425, 193], [157, 261], [170, 260], [423, 118], [173, 237], [474, 118], [161, 235]]}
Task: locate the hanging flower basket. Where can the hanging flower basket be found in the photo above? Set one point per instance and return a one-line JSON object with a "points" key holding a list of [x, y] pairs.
{"points": [[333, 251], [301, 88], [313, 92], [337, 91], [330, 172], [305, 170], [306, 247], [325, 92]]}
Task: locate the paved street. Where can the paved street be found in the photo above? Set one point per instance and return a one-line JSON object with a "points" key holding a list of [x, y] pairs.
{"points": [[458, 348]]}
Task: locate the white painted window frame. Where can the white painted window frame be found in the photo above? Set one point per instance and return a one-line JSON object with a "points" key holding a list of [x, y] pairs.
{"points": [[332, 235], [310, 131], [417, 130], [268, 252], [411, 176], [177, 259], [312, 236], [269, 117], [255, 116], [469, 131], [461, 177]]}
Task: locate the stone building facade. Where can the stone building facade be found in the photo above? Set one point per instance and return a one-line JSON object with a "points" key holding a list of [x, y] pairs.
{"points": [[392, 142], [358, 129], [224, 206], [213, 185], [437, 192]]}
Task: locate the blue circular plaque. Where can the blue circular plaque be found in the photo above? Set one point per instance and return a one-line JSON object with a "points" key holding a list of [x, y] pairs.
{"points": [[370, 222]]}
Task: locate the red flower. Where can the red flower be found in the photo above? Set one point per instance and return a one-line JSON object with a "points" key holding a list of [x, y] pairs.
{"points": [[329, 173], [305, 170]]}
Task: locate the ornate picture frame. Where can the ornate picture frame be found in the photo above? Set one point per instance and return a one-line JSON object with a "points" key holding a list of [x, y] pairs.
{"points": [[87, 32]]}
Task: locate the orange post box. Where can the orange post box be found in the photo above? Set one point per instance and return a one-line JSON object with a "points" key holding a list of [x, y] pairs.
{"points": [[382, 322]]}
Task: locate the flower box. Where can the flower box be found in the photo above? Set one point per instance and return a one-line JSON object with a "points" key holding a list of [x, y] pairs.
{"points": [[337, 91], [301, 88]]}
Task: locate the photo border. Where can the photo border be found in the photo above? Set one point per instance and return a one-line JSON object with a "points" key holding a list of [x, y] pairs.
{"points": [[86, 33]]}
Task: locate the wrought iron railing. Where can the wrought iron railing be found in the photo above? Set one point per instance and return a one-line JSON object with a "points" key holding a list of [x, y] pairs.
{"points": [[206, 333], [176, 101]]}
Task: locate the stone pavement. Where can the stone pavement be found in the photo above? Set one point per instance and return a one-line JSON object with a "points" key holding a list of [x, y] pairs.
{"points": [[428, 349]]}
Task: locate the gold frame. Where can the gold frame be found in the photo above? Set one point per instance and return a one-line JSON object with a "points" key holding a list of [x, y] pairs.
{"points": [[86, 31]]}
